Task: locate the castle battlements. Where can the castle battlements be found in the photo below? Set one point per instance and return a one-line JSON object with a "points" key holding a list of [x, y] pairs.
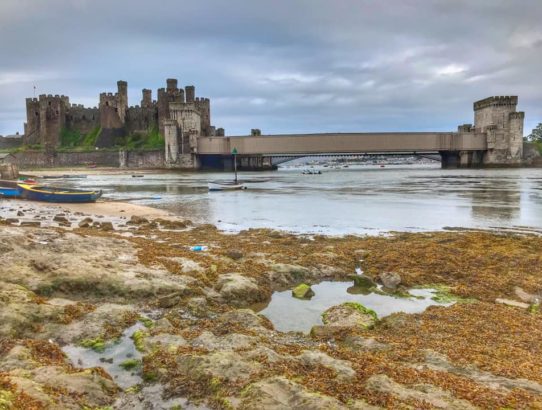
{"points": [[496, 102]]}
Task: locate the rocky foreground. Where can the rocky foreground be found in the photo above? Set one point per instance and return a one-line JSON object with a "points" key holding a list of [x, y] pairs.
{"points": [[82, 281]]}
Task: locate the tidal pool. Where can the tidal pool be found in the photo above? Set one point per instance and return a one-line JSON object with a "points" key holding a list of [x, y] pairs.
{"points": [[290, 314], [111, 358]]}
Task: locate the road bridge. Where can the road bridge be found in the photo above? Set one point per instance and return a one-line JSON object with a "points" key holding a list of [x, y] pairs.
{"points": [[496, 139]]}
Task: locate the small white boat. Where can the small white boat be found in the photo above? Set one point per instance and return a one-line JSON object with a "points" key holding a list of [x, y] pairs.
{"points": [[225, 186]]}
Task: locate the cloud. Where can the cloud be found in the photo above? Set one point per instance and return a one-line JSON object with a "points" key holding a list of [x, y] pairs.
{"points": [[278, 65]]}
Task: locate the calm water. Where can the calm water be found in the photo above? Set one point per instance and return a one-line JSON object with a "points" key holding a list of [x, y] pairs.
{"points": [[359, 199], [288, 313]]}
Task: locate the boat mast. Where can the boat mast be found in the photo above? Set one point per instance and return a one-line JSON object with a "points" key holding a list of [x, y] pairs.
{"points": [[234, 153]]}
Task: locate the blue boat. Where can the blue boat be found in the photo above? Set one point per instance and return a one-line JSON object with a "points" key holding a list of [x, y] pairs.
{"points": [[57, 194], [9, 189]]}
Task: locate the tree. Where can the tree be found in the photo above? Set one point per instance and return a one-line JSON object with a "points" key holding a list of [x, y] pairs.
{"points": [[536, 134]]}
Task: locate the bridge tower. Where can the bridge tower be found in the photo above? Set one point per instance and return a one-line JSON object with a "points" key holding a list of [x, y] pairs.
{"points": [[503, 125]]}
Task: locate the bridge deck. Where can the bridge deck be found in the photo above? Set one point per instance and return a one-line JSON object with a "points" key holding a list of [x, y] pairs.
{"points": [[385, 142]]}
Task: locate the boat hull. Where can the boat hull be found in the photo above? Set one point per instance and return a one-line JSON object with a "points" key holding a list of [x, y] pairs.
{"points": [[225, 187], [9, 192], [57, 195]]}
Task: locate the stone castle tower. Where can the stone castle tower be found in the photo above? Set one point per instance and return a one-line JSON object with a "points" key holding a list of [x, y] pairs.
{"points": [[178, 114], [498, 118]]}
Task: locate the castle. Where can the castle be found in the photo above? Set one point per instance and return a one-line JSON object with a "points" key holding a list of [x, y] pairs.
{"points": [[178, 115]]}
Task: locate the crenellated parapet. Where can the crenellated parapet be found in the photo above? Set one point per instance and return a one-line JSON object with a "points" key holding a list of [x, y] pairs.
{"points": [[498, 101]]}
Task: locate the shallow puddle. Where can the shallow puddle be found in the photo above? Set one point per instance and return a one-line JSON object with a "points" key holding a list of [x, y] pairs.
{"points": [[290, 314], [111, 358]]}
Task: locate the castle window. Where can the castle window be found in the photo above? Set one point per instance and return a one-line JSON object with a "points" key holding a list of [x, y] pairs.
{"points": [[57, 112], [116, 110], [37, 113], [107, 103], [49, 103]]}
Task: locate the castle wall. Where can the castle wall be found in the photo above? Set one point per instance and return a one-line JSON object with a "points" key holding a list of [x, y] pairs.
{"points": [[10, 142], [82, 119], [140, 119]]}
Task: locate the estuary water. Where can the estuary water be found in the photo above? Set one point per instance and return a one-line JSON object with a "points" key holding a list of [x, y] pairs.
{"points": [[354, 200]]}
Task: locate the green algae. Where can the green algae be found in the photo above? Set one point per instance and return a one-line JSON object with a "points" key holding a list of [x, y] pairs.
{"points": [[360, 308], [98, 344], [148, 323], [130, 364], [139, 339], [443, 294], [302, 291]]}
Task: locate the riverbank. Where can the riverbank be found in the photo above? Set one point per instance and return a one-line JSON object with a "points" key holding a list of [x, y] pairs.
{"points": [[72, 287]]}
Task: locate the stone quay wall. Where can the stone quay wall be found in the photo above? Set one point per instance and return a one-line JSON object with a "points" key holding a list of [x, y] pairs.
{"points": [[124, 159]]}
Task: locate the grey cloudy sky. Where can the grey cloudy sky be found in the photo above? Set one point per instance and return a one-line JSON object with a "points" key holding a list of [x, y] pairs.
{"points": [[280, 65]]}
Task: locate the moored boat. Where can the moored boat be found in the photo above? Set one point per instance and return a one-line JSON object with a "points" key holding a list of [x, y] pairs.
{"points": [[9, 189], [224, 186], [57, 194]]}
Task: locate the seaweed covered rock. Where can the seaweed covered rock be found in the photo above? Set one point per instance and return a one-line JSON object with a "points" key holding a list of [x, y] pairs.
{"points": [[280, 393], [239, 290], [390, 280], [302, 291], [342, 368], [363, 281], [350, 314]]}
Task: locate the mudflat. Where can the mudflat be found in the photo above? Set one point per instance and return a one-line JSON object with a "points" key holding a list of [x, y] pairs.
{"points": [[87, 275]]}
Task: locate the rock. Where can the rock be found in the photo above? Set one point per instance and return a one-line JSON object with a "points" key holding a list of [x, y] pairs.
{"points": [[328, 332], [513, 303], [390, 280], [302, 291], [438, 362], [164, 340], [279, 393], [526, 297], [350, 314], [106, 226], [12, 220], [232, 341], [170, 300], [283, 274], [85, 223], [20, 213], [137, 220], [245, 317], [42, 264], [357, 343], [96, 389], [234, 254], [363, 281], [313, 358], [436, 397], [35, 224], [60, 218], [227, 366], [239, 290]]}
